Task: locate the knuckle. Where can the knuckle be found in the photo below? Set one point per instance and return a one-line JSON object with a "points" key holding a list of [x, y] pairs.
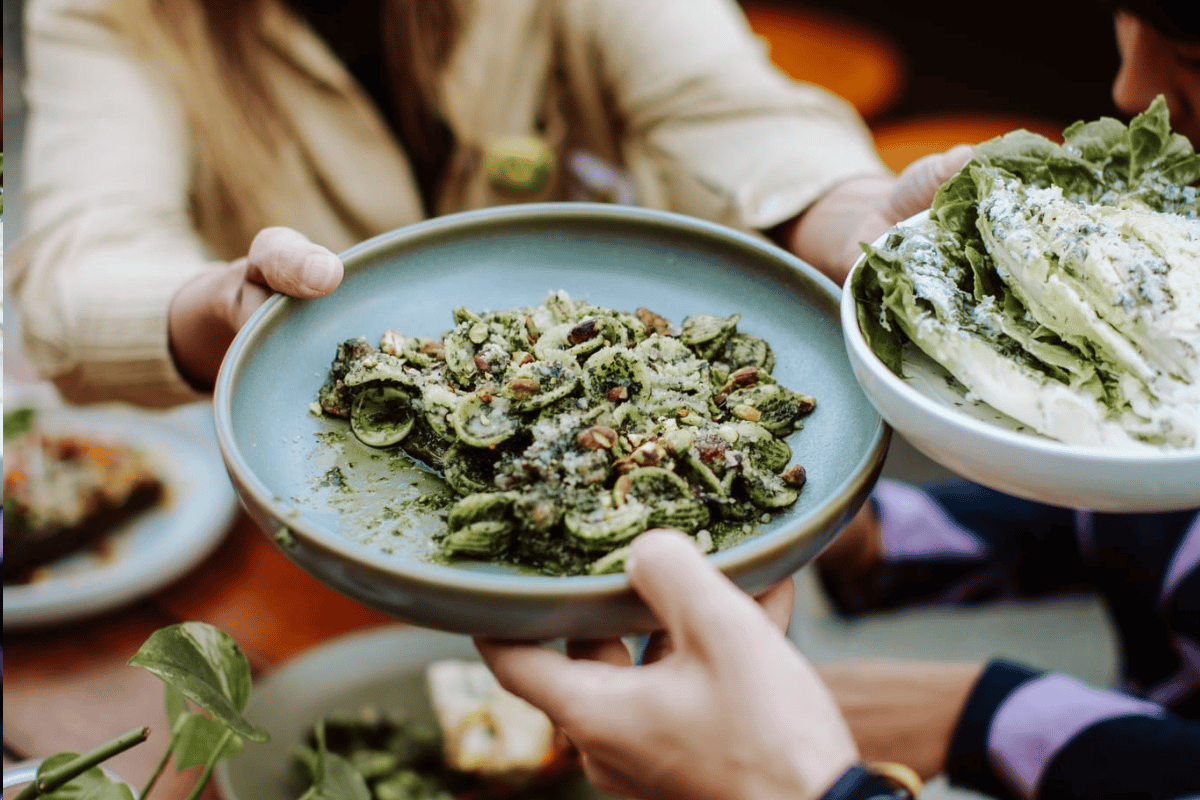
{"points": [[266, 240], [280, 250]]}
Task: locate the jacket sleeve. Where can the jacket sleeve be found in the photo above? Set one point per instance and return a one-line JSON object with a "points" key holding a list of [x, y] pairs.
{"points": [[109, 239], [961, 543], [1044, 736], [708, 125]]}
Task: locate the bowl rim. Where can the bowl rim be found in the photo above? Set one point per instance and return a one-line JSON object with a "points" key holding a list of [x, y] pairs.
{"points": [[744, 556], [956, 420]]}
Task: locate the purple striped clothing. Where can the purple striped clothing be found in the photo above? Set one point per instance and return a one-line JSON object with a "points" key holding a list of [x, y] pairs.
{"points": [[1183, 683], [1025, 735], [913, 524], [1185, 561], [961, 543], [1040, 717]]}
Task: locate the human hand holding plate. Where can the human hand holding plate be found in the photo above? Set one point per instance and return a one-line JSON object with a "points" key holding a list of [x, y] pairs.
{"points": [[732, 711], [208, 311]]}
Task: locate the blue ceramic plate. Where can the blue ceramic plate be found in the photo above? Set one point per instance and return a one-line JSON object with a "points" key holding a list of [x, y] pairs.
{"points": [[336, 524]]}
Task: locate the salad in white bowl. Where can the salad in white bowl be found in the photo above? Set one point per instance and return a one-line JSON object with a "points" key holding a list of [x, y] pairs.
{"points": [[1058, 283], [1038, 329]]}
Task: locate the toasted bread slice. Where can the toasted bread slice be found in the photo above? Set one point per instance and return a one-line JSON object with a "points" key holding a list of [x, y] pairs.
{"points": [[489, 731]]}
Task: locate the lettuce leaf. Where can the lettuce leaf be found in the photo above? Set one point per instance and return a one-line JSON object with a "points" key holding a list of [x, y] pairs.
{"points": [[997, 275]]}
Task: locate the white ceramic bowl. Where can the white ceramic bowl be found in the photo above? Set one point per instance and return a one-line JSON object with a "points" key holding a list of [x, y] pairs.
{"points": [[932, 411]]}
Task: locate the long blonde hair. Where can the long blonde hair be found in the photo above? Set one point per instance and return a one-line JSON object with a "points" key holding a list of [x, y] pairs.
{"points": [[210, 52]]}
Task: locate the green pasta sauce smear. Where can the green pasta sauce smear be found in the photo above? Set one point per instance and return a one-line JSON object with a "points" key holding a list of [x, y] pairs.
{"points": [[566, 429]]}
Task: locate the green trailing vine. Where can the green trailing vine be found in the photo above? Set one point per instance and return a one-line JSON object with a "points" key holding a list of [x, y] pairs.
{"points": [[207, 681]]}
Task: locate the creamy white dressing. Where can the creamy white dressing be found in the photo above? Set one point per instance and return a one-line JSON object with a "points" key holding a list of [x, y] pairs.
{"points": [[1120, 282], [1058, 284]]}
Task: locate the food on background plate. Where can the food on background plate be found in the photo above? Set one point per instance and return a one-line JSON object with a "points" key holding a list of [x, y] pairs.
{"points": [[567, 429], [1060, 284], [487, 743], [65, 492], [489, 731]]}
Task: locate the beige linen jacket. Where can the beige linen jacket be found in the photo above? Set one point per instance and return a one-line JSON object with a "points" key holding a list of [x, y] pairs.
{"points": [[678, 93]]}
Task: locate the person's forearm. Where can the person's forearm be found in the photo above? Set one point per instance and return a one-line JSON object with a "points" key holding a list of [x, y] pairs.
{"points": [[827, 235], [902, 711], [830, 233], [1026, 734]]}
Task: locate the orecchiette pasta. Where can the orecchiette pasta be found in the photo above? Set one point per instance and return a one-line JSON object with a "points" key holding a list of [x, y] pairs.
{"points": [[568, 428]]}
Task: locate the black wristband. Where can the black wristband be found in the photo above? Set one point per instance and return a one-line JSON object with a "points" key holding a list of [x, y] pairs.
{"points": [[859, 784]]}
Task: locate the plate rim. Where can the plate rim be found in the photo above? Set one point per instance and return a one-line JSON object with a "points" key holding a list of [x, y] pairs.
{"points": [[531, 587], [334, 649]]}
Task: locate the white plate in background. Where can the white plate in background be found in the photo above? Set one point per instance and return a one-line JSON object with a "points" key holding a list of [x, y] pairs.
{"points": [[383, 667], [149, 551]]}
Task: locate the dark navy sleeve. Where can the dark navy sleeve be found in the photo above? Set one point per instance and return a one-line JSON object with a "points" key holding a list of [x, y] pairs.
{"points": [[1029, 735], [962, 543], [1179, 607]]}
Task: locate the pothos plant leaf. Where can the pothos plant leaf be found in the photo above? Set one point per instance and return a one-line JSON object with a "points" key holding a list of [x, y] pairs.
{"points": [[194, 737], [334, 777], [207, 667], [341, 781], [92, 784]]}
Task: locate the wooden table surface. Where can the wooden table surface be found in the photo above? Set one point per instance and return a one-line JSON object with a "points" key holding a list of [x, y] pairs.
{"points": [[70, 688]]}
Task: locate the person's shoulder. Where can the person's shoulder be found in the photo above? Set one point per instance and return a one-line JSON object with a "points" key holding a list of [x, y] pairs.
{"points": [[595, 6], [634, 17], [68, 7], [38, 14]]}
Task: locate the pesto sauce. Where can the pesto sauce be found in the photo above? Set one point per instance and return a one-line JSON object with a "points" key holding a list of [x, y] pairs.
{"points": [[545, 439]]}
